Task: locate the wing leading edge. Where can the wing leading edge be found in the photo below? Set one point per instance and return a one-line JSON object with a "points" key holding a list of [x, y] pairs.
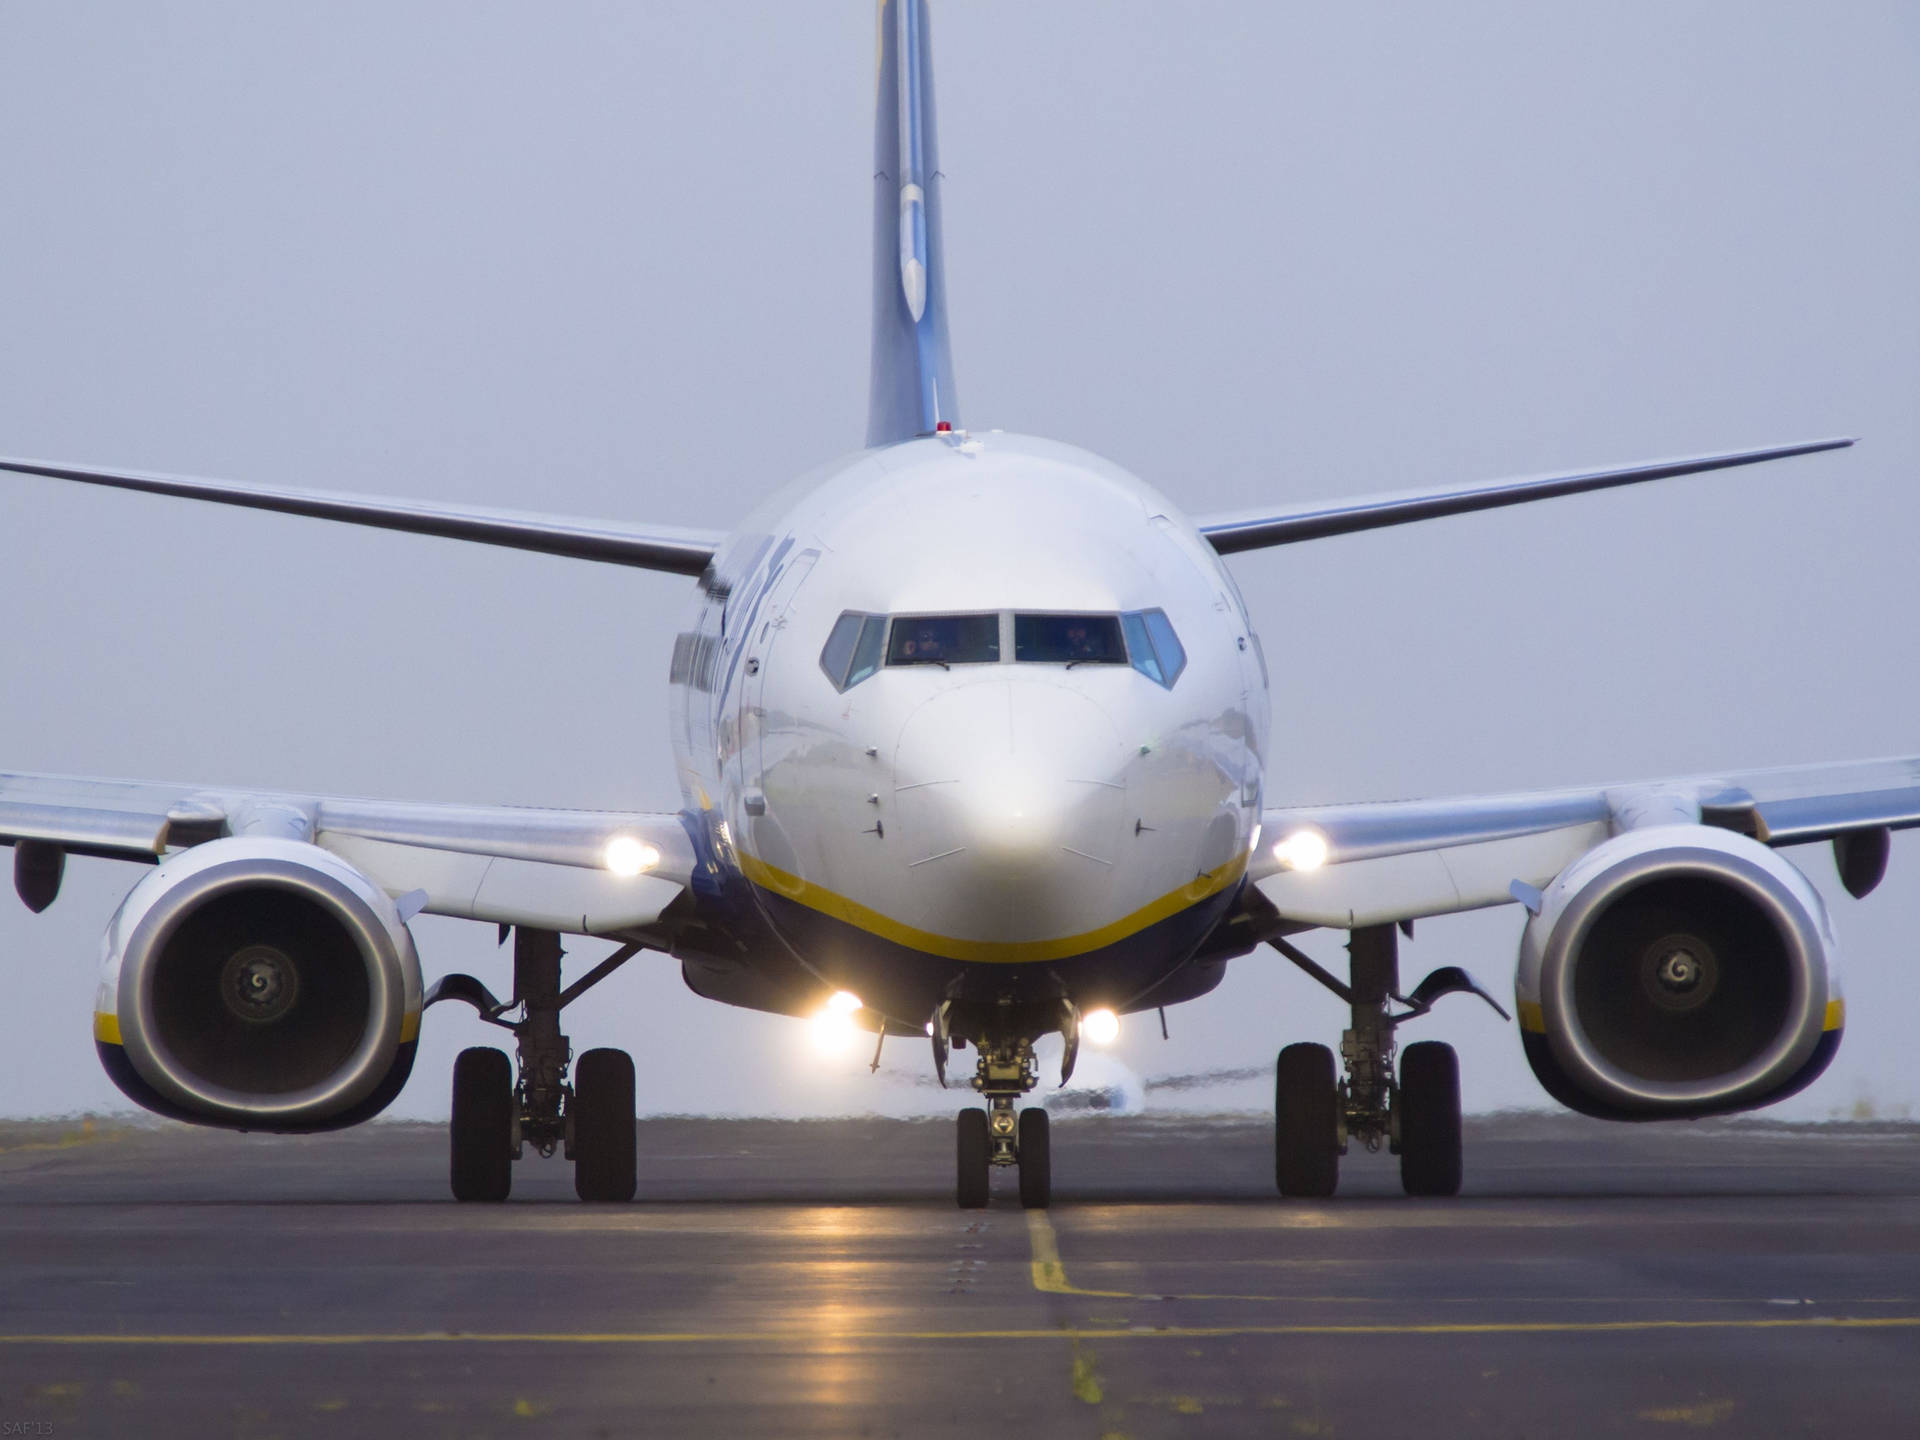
{"points": [[1232, 532], [680, 551], [1378, 863], [551, 869]]}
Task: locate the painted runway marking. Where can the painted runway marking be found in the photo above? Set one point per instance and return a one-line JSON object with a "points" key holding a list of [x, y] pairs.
{"points": [[818, 1339], [1049, 1275], [85, 1135], [1050, 1278]]}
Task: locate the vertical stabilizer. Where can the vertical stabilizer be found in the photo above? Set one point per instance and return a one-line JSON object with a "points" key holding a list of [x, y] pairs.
{"points": [[912, 390]]}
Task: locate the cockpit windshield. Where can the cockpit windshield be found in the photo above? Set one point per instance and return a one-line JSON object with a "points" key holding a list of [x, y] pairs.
{"points": [[944, 640], [1143, 639], [1069, 639]]}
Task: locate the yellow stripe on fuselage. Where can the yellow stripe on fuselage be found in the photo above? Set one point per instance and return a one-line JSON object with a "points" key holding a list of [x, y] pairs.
{"points": [[1836, 1015], [998, 952]]}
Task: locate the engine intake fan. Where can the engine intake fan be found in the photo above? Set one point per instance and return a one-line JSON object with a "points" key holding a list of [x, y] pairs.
{"points": [[259, 984], [1678, 971]]}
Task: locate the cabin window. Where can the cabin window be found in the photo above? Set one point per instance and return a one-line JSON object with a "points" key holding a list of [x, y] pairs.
{"points": [[852, 651], [1069, 639], [1155, 650], [944, 640]]}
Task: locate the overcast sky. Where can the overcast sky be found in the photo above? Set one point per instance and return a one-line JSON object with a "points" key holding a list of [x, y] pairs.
{"points": [[612, 260]]}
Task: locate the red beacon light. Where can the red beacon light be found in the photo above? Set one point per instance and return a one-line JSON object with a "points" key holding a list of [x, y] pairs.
{"points": [[942, 427]]}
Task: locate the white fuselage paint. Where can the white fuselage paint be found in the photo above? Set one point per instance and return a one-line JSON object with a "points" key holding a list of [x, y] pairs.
{"points": [[1019, 815]]}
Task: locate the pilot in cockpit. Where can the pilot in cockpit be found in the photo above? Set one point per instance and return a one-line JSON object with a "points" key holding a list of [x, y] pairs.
{"points": [[925, 644]]}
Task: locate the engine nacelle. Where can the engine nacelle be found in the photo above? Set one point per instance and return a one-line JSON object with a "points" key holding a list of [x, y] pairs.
{"points": [[259, 984], [1678, 971]]}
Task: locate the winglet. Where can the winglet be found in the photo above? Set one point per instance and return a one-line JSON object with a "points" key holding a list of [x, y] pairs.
{"points": [[912, 387]]}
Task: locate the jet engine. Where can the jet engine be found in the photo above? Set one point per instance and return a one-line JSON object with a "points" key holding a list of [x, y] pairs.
{"points": [[1678, 971], [259, 984]]}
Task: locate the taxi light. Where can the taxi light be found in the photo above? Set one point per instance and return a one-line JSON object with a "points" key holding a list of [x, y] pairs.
{"points": [[1102, 1027], [832, 1025], [1302, 850], [628, 857]]}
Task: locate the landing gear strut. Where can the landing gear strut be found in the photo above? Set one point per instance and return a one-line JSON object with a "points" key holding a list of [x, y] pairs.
{"points": [[496, 1114], [1416, 1114], [998, 1136]]}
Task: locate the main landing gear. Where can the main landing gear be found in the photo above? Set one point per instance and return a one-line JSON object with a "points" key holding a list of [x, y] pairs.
{"points": [[999, 1136], [495, 1114], [1416, 1114]]}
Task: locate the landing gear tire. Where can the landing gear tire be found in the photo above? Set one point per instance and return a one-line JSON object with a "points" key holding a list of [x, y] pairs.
{"points": [[482, 1125], [603, 1134], [1036, 1160], [974, 1153], [1306, 1123], [1429, 1119]]}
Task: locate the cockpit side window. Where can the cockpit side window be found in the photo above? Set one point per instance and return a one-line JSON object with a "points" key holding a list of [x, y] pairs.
{"points": [[944, 640], [1069, 639], [1140, 647], [1156, 651], [852, 651]]}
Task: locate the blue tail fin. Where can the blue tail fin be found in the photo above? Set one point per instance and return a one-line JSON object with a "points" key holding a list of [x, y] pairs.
{"points": [[912, 390]]}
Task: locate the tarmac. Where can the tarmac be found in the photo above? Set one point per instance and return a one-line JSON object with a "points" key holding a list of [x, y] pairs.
{"points": [[815, 1278]]}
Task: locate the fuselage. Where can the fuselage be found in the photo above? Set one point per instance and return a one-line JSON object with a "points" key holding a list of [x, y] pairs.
{"points": [[974, 715]]}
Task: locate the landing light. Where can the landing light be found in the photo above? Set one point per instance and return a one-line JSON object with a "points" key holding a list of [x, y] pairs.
{"points": [[628, 857], [833, 1027], [1302, 850], [1102, 1027]]}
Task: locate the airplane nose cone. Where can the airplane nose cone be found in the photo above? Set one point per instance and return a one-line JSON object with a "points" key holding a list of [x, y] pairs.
{"points": [[1009, 806]]}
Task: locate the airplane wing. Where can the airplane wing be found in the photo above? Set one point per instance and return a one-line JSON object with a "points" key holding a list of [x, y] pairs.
{"points": [[577, 871], [1231, 532], [656, 547], [1378, 863]]}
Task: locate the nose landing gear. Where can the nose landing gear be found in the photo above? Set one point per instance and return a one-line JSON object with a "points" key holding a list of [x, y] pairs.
{"points": [[1416, 1114], [1000, 1137]]}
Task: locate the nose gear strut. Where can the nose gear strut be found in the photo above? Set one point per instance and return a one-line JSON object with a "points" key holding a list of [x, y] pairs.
{"points": [[1004, 1070]]}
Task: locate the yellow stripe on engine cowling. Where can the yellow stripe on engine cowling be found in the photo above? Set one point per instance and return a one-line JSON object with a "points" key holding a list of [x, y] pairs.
{"points": [[1534, 1019], [106, 1028]]}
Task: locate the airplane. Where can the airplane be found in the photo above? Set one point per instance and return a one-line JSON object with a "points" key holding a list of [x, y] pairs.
{"points": [[972, 732]]}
